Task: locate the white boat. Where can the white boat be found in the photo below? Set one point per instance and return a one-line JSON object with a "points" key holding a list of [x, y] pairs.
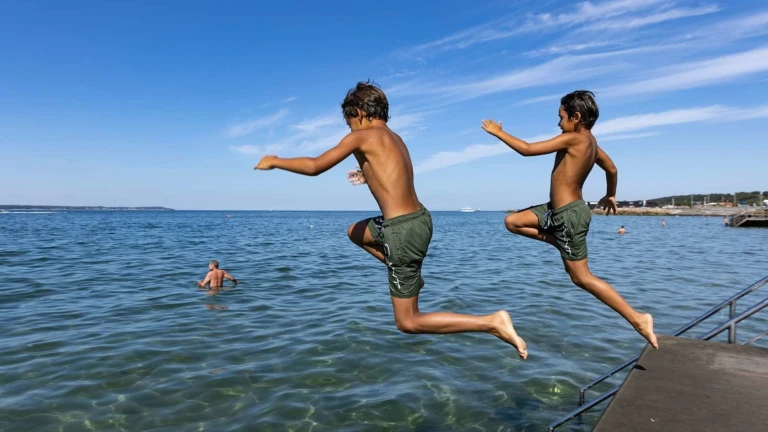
{"points": [[467, 210]]}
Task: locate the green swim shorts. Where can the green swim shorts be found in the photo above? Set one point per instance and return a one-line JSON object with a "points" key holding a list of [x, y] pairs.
{"points": [[405, 240], [569, 224]]}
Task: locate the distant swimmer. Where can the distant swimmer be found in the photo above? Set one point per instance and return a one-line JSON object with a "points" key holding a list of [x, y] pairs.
{"points": [[725, 221], [400, 237], [564, 221], [664, 223], [621, 230], [215, 277], [229, 216]]}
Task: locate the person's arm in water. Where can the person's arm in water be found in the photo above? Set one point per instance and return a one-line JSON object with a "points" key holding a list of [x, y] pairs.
{"points": [[608, 202], [205, 282], [228, 276], [560, 142], [313, 166]]}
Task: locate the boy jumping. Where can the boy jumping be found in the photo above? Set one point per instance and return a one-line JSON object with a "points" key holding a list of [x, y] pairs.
{"points": [[564, 221], [400, 237]]}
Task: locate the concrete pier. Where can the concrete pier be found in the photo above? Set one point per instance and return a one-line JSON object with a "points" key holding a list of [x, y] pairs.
{"points": [[692, 386]]}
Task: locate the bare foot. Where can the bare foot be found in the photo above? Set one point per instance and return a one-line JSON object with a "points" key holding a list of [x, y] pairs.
{"points": [[506, 332], [645, 328]]}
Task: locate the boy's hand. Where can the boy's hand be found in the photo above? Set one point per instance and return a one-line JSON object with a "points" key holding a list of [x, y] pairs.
{"points": [[491, 127], [266, 163], [608, 203], [356, 176]]}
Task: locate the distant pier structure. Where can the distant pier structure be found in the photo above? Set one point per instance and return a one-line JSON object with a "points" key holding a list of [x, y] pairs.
{"points": [[750, 218]]}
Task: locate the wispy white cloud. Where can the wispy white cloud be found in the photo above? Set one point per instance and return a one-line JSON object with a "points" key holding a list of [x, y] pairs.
{"points": [[549, 72], [403, 73], [619, 137], [568, 48], [610, 130], [314, 124], [585, 16], [323, 132], [564, 69], [253, 150], [703, 37], [449, 158], [698, 73], [289, 99], [655, 18], [718, 113], [250, 126], [742, 27], [539, 99], [473, 152], [406, 121], [684, 76], [317, 135]]}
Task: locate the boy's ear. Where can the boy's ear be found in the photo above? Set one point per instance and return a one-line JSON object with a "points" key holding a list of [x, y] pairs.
{"points": [[577, 117]]}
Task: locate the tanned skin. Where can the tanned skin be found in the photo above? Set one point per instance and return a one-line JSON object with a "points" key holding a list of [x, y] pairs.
{"points": [[387, 169], [215, 277], [576, 153]]}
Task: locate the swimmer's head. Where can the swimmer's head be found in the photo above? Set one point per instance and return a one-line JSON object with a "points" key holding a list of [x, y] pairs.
{"points": [[213, 264], [578, 110], [366, 101]]}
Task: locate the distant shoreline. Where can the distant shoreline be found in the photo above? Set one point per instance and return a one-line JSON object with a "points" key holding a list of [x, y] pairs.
{"points": [[79, 208], [679, 211]]}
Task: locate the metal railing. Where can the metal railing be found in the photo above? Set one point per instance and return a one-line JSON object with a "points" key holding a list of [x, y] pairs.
{"points": [[740, 218], [729, 326]]}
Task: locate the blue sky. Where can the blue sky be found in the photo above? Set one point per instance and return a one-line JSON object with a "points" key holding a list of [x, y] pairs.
{"points": [[173, 103]]}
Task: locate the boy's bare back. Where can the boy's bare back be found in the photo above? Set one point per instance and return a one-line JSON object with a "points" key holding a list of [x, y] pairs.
{"points": [[386, 165], [572, 167]]}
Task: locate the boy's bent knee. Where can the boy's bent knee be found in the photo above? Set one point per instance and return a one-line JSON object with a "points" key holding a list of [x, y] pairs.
{"points": [[408, 326], [580, 279], [351, 232], [356, 232], [511, 221]]}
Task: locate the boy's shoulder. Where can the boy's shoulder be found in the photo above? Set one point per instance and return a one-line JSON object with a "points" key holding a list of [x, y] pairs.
{"points": [[360, 137], [578, 138]]}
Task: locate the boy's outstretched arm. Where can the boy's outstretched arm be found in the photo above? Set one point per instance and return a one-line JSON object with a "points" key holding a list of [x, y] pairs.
{"points": [[313, 166], [560, 142], [608, 202]]}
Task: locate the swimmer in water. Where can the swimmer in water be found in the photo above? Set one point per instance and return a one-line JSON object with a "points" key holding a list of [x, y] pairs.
{"points": [[215, 276]]}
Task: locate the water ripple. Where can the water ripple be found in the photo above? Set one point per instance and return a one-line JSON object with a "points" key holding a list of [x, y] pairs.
{"points": [[105, 330]]}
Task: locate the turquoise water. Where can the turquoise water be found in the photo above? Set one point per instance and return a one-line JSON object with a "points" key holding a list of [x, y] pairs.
{"points": [[104, 329]]}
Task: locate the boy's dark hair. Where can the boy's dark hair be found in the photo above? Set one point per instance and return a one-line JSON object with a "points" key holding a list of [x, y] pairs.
{"points": [[367, 97], [582, 102], [215, 263]]}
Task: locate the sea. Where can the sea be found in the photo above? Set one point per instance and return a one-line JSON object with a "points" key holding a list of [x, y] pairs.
{"points": [[104, 329]]}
